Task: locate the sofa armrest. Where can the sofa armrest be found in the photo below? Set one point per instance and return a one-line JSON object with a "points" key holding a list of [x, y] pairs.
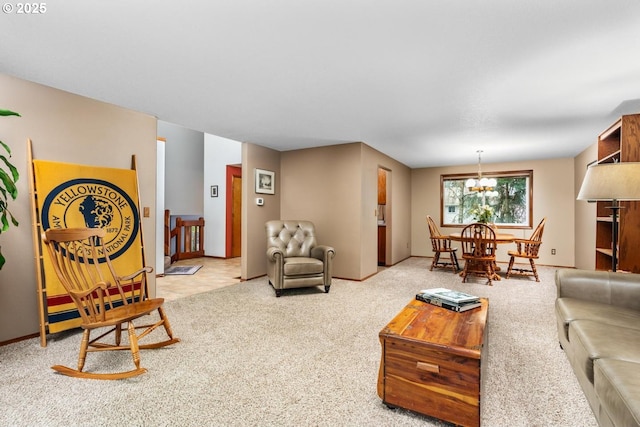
{"points": [[618, 289]]}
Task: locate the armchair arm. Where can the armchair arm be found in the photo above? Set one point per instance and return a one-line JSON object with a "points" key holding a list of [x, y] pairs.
{"points": [[529, 247], [323, 252], [326, 254], [441, 242], [274, 254], [81, 294], [136, 273], [618, 289]]}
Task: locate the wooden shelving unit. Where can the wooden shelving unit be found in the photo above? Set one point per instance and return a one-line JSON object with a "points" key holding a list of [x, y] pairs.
{"points": [[619, 143]]}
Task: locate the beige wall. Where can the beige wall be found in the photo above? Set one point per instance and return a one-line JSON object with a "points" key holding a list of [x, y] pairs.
{"points": [[322, 185], [254, 238], [398, 209], [336, 187], [553, 196], [585, 218], [68, 128]]}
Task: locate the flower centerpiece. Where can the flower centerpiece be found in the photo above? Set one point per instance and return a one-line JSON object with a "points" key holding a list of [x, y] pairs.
{"points": [[482, 213]]}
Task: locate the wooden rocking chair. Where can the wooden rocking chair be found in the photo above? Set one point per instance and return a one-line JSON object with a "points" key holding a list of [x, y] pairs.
{"points": [[99, 294], [527, 248]]}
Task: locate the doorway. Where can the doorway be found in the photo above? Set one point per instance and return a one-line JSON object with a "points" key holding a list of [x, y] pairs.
{"points": [[233, 241], [384, 216]]}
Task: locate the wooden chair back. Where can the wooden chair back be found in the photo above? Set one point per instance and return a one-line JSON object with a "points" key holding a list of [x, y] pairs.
{"points": [[439, 243], [532, 247], [82, 264], [478, 241]]}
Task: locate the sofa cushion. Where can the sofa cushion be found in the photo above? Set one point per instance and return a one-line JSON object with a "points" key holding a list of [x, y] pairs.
{"points": [[596, 340], [302, 266], [569, 309], [617, 384]]}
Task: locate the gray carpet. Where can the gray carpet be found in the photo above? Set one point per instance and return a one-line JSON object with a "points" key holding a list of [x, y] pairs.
{"points": [[307, 358]]}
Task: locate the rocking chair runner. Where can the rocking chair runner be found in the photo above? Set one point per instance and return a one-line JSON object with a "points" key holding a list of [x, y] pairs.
{"points": [[99, 294]]}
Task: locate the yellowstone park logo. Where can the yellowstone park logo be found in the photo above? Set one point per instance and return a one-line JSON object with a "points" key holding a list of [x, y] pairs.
{"points": [[94, 203]]}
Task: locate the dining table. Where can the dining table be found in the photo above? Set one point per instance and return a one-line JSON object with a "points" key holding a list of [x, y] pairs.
{"points": [[501, 238]]}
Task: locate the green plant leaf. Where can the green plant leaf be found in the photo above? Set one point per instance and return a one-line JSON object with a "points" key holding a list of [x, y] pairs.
{"points": [[6, 147], [4, 224], [13, 169], [8, 184], [1, 259], [9, 113]]}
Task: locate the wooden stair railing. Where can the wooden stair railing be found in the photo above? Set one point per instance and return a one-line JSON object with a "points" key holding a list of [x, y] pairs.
{"points": [[189, 238]]}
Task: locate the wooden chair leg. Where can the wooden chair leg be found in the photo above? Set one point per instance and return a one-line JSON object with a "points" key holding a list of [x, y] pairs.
{"points": [[465, 272], [165, 322], [84, 345], [118, 334], [454, 258], [490, 272], [511, 261], [533, 269], [436, 258], [133, 342]]}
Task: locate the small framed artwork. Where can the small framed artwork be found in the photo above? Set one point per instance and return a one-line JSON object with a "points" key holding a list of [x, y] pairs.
{"points": [[265, 182], [214, 191]]}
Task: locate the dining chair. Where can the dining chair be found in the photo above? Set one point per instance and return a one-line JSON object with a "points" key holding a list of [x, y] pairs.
{"points": [[528, 249], [105, 300], [441, 244], [478, 251]]}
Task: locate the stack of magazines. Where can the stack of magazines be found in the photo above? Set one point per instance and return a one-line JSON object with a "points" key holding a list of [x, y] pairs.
{"points": [[451, 300]]}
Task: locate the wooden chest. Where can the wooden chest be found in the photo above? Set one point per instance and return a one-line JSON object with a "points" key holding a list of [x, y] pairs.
{"points": [[432, 362]]}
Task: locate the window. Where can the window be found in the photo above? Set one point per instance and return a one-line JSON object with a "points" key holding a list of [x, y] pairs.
{"points": [[510, 200]]}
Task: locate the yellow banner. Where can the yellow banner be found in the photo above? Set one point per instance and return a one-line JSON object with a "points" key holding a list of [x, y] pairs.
{"points": [[70, 195]]}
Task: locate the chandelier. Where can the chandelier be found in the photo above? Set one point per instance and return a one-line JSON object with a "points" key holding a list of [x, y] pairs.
{"points": [[480, 184]]}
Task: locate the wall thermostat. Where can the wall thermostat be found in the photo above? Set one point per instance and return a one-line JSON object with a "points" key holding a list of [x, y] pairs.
{"points": [[259, 201]]}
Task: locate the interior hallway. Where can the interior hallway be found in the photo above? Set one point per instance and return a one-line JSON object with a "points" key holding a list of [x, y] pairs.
{"points": [[215, 273]]}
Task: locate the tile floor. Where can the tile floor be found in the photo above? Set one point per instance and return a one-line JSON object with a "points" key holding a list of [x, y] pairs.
{"points": [[215, 273]]}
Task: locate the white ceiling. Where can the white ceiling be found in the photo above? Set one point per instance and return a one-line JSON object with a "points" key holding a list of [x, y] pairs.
{"points": [[427, 82]]}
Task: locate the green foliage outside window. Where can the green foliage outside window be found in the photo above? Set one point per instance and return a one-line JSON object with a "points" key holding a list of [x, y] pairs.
{"points": [[507, 205]]}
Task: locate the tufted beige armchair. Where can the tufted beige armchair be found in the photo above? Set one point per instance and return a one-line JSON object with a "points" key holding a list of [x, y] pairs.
{"points": [[294, 258]]}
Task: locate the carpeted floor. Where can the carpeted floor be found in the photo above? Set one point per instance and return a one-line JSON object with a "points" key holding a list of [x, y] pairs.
{"points": [[307, 358]]}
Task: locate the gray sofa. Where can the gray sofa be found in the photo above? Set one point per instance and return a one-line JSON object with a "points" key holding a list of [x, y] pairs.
{"points": [[598, 315]]}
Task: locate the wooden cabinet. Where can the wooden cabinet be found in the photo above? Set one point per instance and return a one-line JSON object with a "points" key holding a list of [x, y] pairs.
{"points": [[619, 143], [382, 186], [382, 245]]}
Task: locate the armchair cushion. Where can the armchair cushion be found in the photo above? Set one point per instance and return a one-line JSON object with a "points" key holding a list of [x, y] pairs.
{"points": [[299, 266]]}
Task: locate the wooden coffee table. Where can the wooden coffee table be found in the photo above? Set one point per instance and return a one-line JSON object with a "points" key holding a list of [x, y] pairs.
{"points": [[432, 362]]}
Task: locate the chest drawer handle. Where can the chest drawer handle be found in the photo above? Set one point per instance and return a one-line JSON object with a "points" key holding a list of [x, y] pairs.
{"points": [[429, 367]]}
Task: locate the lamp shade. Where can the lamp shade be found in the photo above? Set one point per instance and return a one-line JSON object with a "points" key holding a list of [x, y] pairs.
{"points": [[611, 181]]}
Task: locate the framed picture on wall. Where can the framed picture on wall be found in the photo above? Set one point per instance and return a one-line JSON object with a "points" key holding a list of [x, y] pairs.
{"points": [[265, 182]]}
